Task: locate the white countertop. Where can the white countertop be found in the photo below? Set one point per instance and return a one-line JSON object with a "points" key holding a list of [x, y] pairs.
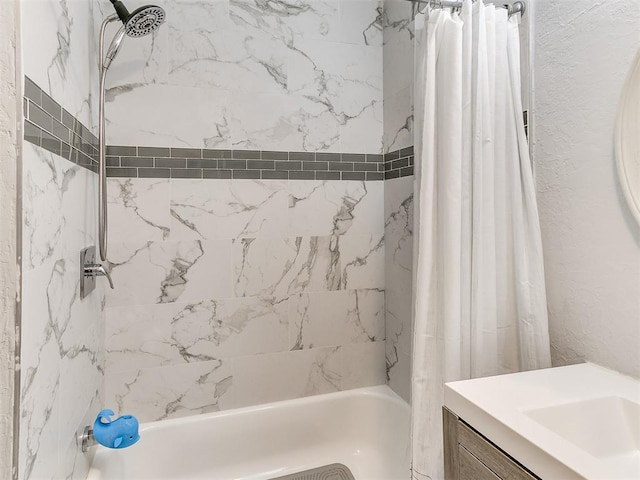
{"points": [[499, 407]]}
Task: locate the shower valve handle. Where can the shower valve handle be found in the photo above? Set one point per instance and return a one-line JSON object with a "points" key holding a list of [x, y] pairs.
{"points": [[96, 270]]}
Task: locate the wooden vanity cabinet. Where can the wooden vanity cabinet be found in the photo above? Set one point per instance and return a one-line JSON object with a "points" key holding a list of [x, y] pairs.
{"points": [[470, 456]]}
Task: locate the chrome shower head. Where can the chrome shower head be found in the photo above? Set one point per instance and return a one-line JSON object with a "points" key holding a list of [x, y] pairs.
{"points": [[142, 21]]}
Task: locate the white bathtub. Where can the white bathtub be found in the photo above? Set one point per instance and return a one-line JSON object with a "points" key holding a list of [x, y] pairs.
{"points": [[366, 429]]}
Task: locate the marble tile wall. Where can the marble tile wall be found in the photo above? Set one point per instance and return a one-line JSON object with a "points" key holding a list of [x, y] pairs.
{"points": [[398, 193], [62, 351], [398, 53], [398, 232], [294, 75], [238, 292]]}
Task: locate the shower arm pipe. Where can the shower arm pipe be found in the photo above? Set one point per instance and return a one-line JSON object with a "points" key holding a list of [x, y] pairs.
{"points": [[102, 171], [516, 7]]}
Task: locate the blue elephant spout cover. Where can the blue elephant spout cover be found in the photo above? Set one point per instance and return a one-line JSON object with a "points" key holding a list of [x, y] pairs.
{"points": [[119, 433]]}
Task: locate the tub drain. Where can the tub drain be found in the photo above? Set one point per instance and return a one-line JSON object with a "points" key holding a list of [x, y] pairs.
{"points": [[335, 471]]}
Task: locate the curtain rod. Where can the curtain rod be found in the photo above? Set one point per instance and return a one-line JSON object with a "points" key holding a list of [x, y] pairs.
{"points": [[517, 7]]}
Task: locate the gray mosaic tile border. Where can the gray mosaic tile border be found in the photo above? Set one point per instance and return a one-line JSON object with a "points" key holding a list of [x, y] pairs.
{"points": [[53, 128], [398, 163], [159, 162], [48, 125]]}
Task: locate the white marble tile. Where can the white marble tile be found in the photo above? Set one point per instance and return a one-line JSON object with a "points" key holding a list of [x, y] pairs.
{"points": [[225, 209], [280, 376], [398, 121], [58, 39], [81, 383], [362, 261], [168, 334], [227, 59], [362, 22], [284, 121], [398, 325], [165, 272], [363, 365], [366, 321], [332, 207], [399, 234], [74, 464], [40, 380], [172, 391], [364, 132], [317, 19], [58, 202], [398, 26], [138, 209], [398, 65], [319, 319], [346, 76], [323, 319], [398, 208], [281, 267], [399, 373], [165, 115], [239, 326], [139, 337], [348, 80]]}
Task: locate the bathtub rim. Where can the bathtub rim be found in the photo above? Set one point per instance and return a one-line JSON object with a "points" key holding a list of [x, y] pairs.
{"points": [[383, 392]]}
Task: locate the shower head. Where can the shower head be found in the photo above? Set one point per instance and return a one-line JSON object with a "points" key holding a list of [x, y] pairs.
{"points": [[142, 21]]}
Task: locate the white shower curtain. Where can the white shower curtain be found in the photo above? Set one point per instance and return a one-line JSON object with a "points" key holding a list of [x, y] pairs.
{"points": [[480, 304]]}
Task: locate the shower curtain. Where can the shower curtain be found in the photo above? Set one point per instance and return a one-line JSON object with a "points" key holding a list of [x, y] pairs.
{"points": [[480, 304]]}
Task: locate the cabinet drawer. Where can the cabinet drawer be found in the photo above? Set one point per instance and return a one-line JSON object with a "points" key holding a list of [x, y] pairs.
{"points": [[473, 469], [470, 456], [495, 459]]}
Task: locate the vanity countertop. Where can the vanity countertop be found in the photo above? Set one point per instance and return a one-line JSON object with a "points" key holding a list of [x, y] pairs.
{"points": [[575, 422]]}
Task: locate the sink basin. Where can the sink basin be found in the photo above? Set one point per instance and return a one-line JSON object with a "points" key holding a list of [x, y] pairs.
{"points": [[607, 428], [579, 422]]}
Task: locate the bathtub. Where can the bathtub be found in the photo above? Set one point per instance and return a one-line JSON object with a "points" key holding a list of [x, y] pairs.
{"points": [[365, 429]]}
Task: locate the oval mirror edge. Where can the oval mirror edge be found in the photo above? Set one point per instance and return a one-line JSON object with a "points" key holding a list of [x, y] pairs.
{"points": [[620, 150]]}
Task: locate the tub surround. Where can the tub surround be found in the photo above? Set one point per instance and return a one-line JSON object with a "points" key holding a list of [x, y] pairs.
{"points": [[305, 76], [398, 62], [62, 336], [283, 109], [239, 292], [62, 351], [398, 235], [398, 51], [516, 413], [229, 293]]}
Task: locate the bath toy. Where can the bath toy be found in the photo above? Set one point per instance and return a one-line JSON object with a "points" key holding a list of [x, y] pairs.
{"points": [[119, 433]]}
